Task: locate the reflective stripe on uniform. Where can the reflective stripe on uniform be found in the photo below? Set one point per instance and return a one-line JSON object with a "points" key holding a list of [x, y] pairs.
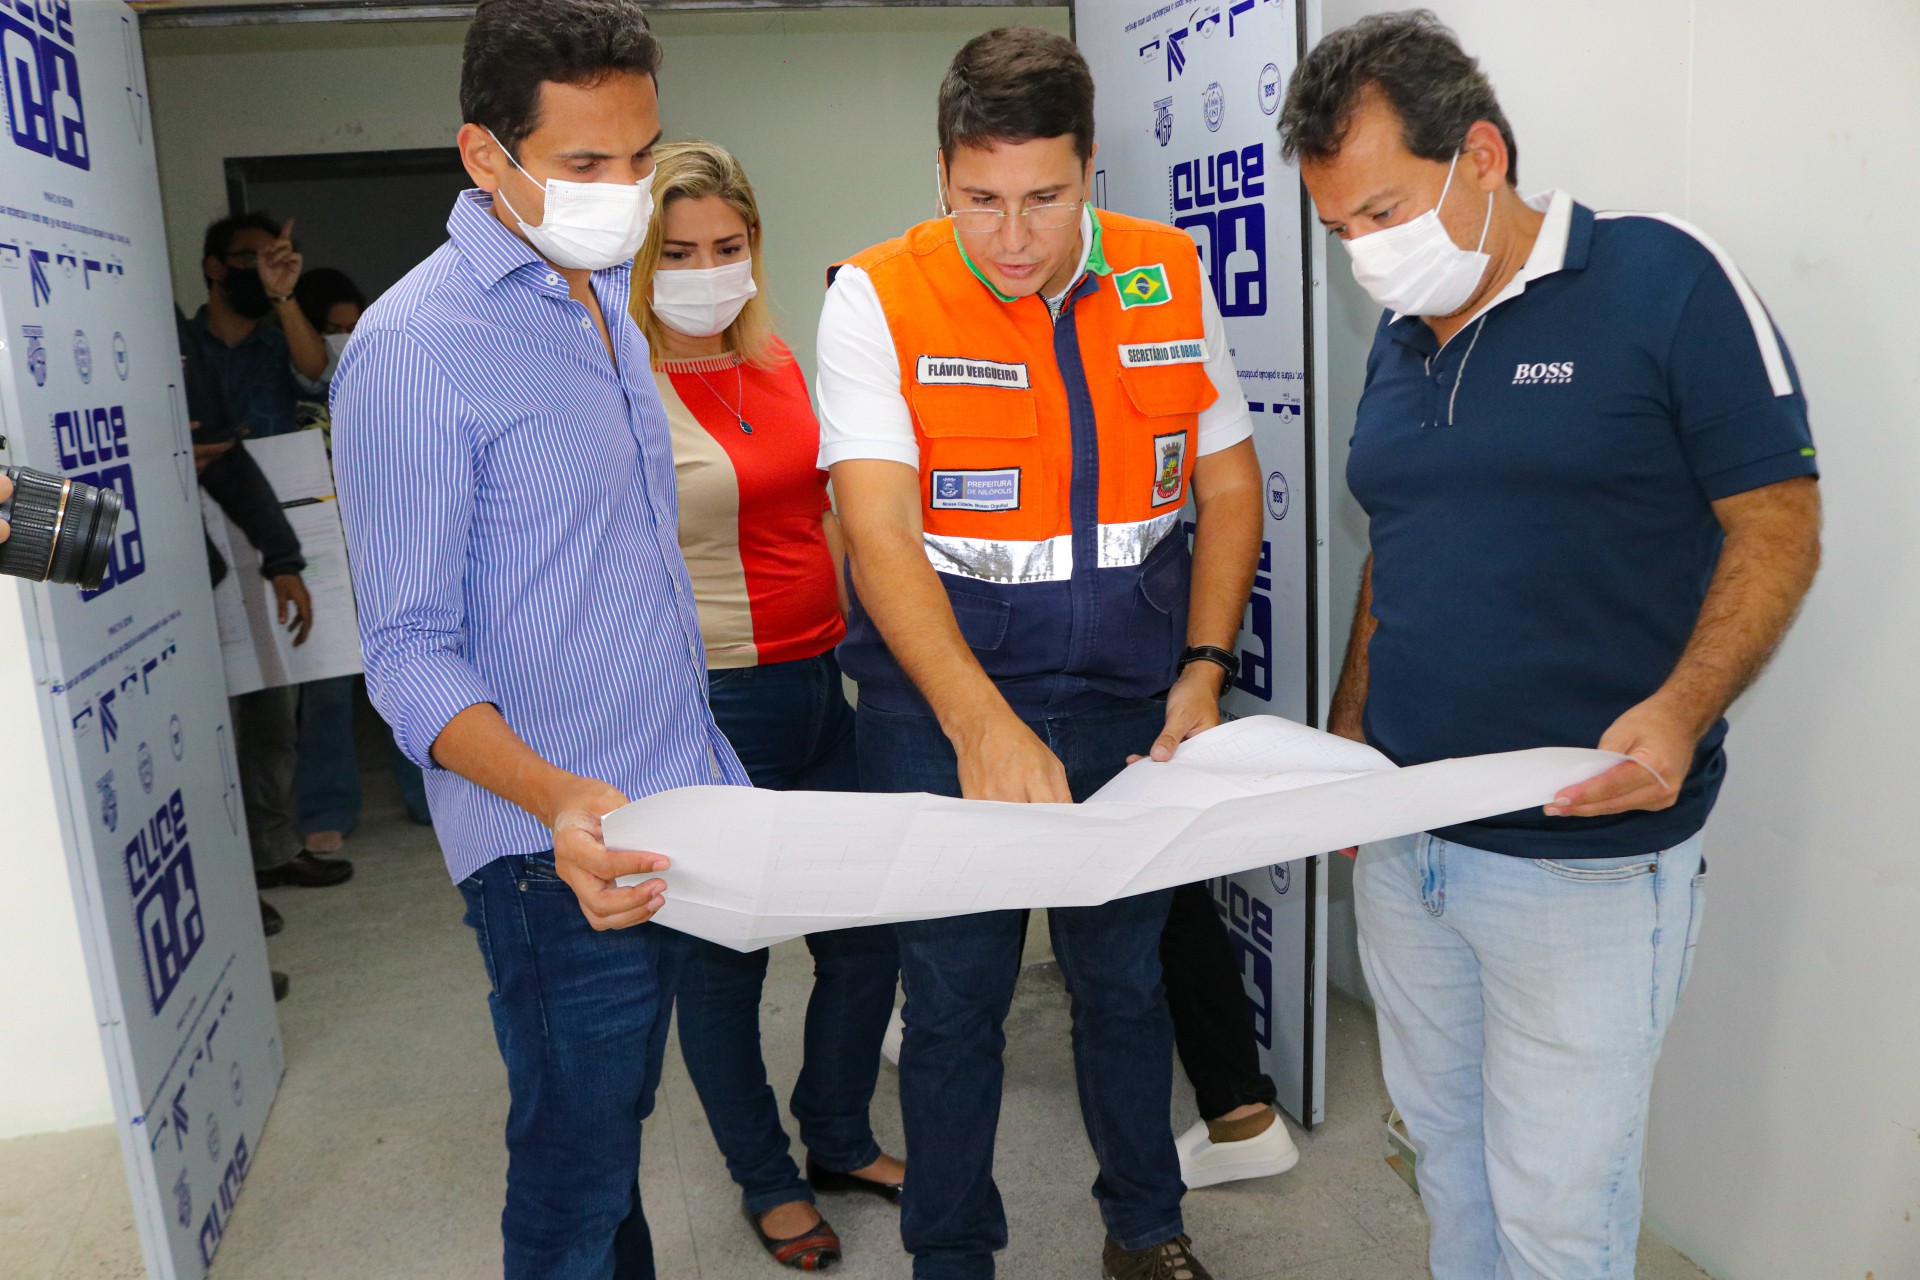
{"points": [[1125, 545], [1002, 560], [1122, 546]]}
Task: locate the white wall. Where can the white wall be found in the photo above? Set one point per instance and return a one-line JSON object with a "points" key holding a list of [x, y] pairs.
{"points": [[1787, 1127], [52, 1075], [1785, 1142], [831, 113]]}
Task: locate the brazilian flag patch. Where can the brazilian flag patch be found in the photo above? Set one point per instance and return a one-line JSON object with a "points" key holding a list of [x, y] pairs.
{"points": [[1142, 287]]}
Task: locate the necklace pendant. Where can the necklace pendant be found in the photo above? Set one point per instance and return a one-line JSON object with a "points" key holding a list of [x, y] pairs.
{"points": [[746, 426]]}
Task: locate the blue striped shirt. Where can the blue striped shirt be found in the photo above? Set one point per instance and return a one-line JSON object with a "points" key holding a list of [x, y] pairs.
{"points": [[509, 504]]}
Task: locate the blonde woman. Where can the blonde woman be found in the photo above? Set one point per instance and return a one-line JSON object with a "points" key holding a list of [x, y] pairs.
{"points": [[762, 548]]}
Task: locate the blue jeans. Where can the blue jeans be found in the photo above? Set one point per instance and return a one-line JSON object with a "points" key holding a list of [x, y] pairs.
{"points": [[326, 778], [581, 1020], [959, 974], [1521, 1006], [790, 724]]}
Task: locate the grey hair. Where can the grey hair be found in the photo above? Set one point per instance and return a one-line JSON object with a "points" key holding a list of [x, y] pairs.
{"points": [[1415, 62]]}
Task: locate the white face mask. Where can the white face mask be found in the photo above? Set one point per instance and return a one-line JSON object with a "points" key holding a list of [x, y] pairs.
{"points": [[1416, 269], [336, 343], [587, 226], [703, 301]]}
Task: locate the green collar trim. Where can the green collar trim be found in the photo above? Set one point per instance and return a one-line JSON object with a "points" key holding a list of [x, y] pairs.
{"points": [[978, 274], [1096, 256]]}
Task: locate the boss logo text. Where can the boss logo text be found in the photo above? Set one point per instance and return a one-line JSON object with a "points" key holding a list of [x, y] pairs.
{"points": [[1555, 372]]}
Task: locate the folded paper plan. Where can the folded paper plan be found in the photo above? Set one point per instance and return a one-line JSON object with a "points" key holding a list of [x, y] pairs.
{"points": [[752, 867]]}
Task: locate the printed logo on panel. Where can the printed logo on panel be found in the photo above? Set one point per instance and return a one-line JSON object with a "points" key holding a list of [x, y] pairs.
{"points": [[96, 439], [1213, 103], [1216, 200], [1250, 929], [1269, 90], [1279, 497], [166, 899], [36, 352], [41, 77]]}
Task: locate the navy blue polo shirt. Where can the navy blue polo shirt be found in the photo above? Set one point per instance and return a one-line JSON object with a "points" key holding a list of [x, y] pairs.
{"points": [[1539, 492]]}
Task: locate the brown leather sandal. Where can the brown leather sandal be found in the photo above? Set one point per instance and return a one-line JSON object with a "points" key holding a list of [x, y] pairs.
{"points": [[815, 1249]]}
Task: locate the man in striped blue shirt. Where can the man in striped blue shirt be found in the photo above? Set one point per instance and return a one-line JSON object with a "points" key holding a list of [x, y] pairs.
{"points": [[506, 479]]}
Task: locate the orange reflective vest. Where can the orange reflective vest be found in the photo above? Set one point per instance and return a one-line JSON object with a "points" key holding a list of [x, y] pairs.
{"points": [[1054, 460]]}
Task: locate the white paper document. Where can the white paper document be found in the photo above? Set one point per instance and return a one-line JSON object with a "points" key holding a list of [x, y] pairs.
{"points": [[752, 867], [259, 652]]}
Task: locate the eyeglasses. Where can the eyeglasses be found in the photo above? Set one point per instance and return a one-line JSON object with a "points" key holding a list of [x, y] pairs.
{"points": [[1039, 217]]}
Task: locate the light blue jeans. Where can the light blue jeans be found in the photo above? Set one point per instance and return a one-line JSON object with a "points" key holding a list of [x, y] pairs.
{"points": [[1521, 1004]]}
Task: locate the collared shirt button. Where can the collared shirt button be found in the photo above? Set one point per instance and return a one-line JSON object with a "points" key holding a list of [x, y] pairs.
{"points": [[552, 278], [585, 323]]}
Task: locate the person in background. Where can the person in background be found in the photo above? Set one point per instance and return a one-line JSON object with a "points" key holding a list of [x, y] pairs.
{"points": [[261, 348], [332, 304], [1239, 1134], [328, 776], [1016, 402], [763, 549], [506, 479], [264, 356], [266, 721], [1590, 488], [263, 721]]}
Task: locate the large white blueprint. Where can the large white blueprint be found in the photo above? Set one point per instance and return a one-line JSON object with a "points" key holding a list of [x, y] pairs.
{"points": [[753, 867]]}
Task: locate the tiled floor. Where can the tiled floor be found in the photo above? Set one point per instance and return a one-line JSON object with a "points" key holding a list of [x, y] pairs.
{"points": [[383, 1158]]}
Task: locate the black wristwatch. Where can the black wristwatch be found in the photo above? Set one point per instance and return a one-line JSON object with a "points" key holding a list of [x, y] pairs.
{"points": [[1226, 658]]}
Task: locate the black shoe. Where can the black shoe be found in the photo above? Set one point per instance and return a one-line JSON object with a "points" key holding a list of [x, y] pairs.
{"points": [[280, 985], [815, 1249], [1168, 1260], [305, 871], [271, 921], [831, 1183]]}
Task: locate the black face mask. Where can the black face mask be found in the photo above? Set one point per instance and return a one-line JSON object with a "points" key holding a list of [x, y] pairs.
{"points": [[245, 293]]}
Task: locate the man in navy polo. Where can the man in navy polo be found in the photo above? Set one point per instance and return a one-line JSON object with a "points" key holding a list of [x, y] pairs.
{"points": [[1584, 456]]}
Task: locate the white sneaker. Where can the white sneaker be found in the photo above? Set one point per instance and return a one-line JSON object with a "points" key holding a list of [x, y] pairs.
{"points": [[890, 1043], [1205, 1163]]}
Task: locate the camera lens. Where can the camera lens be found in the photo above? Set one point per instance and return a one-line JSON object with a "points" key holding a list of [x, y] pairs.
{"points": [[60, 530]]}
